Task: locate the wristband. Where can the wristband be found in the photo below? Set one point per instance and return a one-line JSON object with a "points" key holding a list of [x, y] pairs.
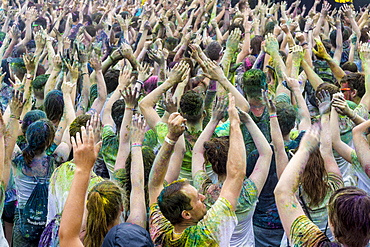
{"points": [[169, 141], [273, 115], [136, 145], [140, 81], [85, 73], [129, 108]]}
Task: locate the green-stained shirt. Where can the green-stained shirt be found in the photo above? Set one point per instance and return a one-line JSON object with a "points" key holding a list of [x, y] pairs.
{"points": [[214, 229]]}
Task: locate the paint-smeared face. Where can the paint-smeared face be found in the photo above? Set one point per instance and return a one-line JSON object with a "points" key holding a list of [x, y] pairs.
{"points": [[199, 208]]}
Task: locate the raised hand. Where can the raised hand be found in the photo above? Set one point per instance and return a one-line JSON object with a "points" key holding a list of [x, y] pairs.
{"points": [[16, 104], [219, 109], [73, 69], [177, 72], [67, 87], [233, 112], [213, 70], [124, 76], [297, 54], [324, 100], [176, 126], [325, 8], [138, 129], [271, 44], [340, 105], [95, 61], [169, 103], [311, 139], [347, 10], [130, 97], [144, 71], [269, 102], [156, 55], [365, 54], [321, 51], [95, 124], [234, 39], [29, 62]]}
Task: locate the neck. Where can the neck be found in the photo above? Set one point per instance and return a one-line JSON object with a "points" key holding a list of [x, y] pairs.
{"points": [[194, 127], [179, 228], [286, 137]]}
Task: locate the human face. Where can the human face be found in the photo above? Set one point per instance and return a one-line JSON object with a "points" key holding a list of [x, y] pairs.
{"points": [[196, 202], [347, 92]]}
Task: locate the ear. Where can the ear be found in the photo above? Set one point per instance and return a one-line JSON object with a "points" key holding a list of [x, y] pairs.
{"points": [[186, 215], [354, 93]]}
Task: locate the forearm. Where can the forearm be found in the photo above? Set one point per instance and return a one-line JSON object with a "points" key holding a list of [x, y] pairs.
{"points": [[362, 146], [141, 43], [314, 79], [51, 82], [198, 150], [137, 196], [124, 140], [246, 46], [158, 171], [85, 92], [102, 92], [326, 149], [74, 208], [240, 100], [303, 112]]}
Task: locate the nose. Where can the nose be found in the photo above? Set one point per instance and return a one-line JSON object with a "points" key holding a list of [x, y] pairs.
{"points": [[202, 197]]}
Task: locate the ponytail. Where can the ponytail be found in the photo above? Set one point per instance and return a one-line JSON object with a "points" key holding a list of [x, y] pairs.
{"points": [[28, 155], [104, 204]]}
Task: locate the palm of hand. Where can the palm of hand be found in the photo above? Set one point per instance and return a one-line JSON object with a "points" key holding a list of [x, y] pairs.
{"points": [[271, 45]]}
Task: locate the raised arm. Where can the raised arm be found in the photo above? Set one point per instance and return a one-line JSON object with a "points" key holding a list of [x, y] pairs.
{"points": [[197, 162], [326, 149], [365, 57], [148, 102], [362, 148], [85, 152], [123, 82], [236, 159], [215, 72], [285, 191], [137, 196], [98, 104], [159, 169], [261, 170], [131, 98]]}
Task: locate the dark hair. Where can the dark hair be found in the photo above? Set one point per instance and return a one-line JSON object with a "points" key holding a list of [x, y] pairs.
{"points": [[41, 21], [333, 36], [40, 136], [111, 79], [96, 17], [191, 106], [18, 67], [90, 29], [364, 38], [117, 112], [355, 81], [256, 44], [30, 117], [348, 211], [286, 117], [77, 123], [215, 152], [54, 105], [314, 179], [253, 81], [87, 18], [75, 16], [40, 81], [172, 201], [349, 66], [213, 50]]}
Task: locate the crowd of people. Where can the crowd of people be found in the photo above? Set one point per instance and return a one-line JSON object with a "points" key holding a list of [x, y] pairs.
{"points": [[184, 123]]}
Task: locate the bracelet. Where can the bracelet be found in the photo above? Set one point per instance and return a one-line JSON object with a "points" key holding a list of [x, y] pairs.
{"points": [[273, 115], [85, 73], [14, 116], [140, 81], [304, 43], [169, 141], [354, 116], [129, 108], [136, 145]]}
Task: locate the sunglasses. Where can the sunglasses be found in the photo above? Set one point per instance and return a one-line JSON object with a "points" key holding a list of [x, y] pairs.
{"points": [[345, 89]]}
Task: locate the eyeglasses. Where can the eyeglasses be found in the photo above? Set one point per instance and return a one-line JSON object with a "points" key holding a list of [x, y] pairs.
{"points": [[345, 89]]}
